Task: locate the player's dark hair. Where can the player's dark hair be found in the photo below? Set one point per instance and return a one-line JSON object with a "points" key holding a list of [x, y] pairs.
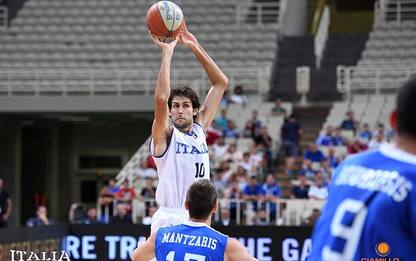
{"points": [[406, 113], [201, 199], [185, 91]]}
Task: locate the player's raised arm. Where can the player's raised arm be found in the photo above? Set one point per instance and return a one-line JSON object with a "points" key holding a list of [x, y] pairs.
{"points": [[219, 81], [161, 128], [145, 251], [235, 251]]}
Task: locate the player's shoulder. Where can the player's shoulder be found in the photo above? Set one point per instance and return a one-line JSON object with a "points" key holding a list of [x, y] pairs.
{"points": [[168, 229], [198, 125], [213, 230], [365, 156]]}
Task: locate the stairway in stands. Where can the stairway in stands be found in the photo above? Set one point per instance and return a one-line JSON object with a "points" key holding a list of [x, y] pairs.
{"points": [[341, 49], [311, 119], [293, 52]]}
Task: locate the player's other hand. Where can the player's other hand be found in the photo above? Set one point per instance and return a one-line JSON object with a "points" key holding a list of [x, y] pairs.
{"points": [[165, 46], [186, 38]]}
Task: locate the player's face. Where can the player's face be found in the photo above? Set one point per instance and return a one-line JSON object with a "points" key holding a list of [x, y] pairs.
{"points": [[182, 112]]}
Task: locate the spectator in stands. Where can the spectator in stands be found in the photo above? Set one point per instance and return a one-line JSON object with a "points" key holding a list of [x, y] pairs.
{"points": [[278, 109], [147, 220], [301, 190], [238, 96], [366, 134], [377, 141], [225, 218], [126, 194], [291, 133], [219, 182], [356, 147], [91, 218], [247, 164], [310, 221], [325, 171], [261, 218], [271, 193], [380, 129], [41, 218], [318, 190], [232, 154], [150, 162], [112, 187], [233, 195], [264, 144], [338, 139], [6, 205], [249, 129], [106, 199], [225, 169], [123, 216], [149, 193], [326, 139], [231, 131], [350, 123], [76, 213], [219, 148], [264, 138], [212, 134], [333, 160], [222, 122], [256, 123], [307, 169], [256, 155], [314, 154], [145, 171], [253, 191], [241, 176]]}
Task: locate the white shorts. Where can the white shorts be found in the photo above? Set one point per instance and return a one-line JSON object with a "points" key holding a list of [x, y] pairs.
{"points": [[168, 217]]}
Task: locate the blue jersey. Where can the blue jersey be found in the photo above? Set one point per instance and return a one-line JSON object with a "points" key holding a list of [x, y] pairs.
{"points": [[371, 209], [190, 241]]}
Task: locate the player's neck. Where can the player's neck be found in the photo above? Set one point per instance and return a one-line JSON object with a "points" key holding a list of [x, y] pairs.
{"points": [[186, 129], [406, 144], [207, 221]]}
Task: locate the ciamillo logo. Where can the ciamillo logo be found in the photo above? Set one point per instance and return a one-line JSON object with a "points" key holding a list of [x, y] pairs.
{"points": [[17, 255]]}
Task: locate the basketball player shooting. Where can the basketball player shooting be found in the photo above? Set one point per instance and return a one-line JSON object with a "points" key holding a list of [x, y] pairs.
{"points": [[178, 143]]}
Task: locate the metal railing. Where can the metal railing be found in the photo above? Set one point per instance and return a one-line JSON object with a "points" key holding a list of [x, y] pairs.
{"points": [[131, 168], [259, 13], [120, 83], [394, 11], [375, 80], [280, 212]]}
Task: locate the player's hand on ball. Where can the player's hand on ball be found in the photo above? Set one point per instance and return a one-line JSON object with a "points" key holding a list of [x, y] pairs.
{"points": [[165, 46], [186, 38]]}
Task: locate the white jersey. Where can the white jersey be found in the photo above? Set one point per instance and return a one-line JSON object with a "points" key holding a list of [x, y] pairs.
{"points": [[184, 161]]}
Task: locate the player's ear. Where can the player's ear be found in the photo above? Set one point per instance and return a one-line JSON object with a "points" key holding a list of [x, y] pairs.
{"points": [[214, 210], [393, 120], [186, 205], [195, 111]]}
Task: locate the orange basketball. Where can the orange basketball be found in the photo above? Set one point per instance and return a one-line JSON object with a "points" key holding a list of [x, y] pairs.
{"points": [[164, 19]]}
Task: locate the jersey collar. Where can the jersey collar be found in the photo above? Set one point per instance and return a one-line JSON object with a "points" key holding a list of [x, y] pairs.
{"points": [[194, 224], [391, 151]]}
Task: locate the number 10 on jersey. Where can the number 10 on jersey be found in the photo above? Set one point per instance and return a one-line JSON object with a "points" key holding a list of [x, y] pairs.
{"points": [[199, 170]]}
